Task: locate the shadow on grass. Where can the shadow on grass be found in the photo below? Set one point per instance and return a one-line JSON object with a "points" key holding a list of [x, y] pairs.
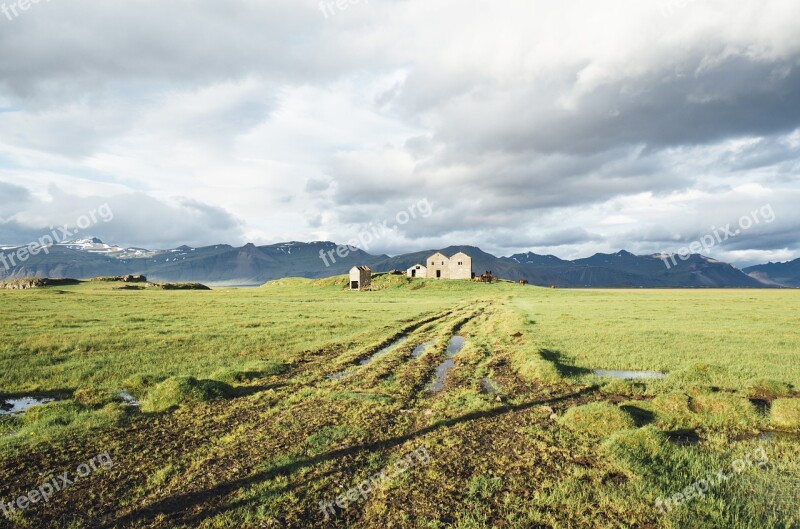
{"points": [[684, 437], [246, 391], [190, 501], [564, 369], [56, 394], [640, 417]]}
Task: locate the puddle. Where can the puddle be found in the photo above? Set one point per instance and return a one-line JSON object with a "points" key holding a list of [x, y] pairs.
{"points": [[21, 405], [455, 345], [420, 350], [340, 375], [128, 399], [388, 349], [490, 386], [631, 375]]}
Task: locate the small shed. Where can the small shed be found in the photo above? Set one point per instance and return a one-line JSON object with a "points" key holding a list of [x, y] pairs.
{"points": [[417, 271], [360, 277]]}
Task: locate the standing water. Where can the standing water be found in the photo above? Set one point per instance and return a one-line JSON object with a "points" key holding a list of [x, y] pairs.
{"points": [[453, 348], [21, 405], [420, 349], [388, 349], [630, 375]]}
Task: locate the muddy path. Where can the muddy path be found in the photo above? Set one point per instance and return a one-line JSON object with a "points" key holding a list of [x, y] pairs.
{"points": [[303, 438]]}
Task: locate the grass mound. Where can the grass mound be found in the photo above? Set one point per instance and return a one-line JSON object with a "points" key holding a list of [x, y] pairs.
{"points": [[697, 408], [786, 414], [332, 282], [289, 282], [623, 388], [94, 397], [597, 419], [54, 420], [26, 283], [380, 281], [176, 391], [724, 410], [180, 286], [642, 451], [704, 374], [121, 279], [139, 384], [765, 388], [389, 280]]}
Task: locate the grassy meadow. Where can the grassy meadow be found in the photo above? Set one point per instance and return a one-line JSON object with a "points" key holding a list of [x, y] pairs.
{"points": [[265, 407]]}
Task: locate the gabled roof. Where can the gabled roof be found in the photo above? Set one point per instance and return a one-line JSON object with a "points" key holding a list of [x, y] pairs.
{"points": [[362, 268]]}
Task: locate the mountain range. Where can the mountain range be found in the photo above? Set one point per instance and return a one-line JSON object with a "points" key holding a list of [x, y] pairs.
{"points": [[223, 264]]}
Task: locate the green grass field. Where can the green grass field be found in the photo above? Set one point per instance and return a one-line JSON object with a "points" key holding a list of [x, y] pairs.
{"points": [[242, 423]]}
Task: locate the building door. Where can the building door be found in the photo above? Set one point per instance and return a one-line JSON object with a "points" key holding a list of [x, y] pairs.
{"points": [[438, 274], [354, 285]]}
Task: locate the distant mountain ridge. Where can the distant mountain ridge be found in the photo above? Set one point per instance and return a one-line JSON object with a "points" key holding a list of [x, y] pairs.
{"points": [[779, 274], [253, 265]]}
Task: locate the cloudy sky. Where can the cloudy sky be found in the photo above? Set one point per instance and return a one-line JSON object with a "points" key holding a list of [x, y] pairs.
{"points": [[555, 127]]}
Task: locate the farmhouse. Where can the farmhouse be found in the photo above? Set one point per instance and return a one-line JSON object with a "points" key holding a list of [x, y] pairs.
{"points": [[460, 266], [360, 277], [439, 266]]}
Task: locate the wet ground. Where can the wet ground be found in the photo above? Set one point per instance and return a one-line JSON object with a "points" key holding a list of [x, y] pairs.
{"points": [[453, 348], [18, 406], [630, 375]]}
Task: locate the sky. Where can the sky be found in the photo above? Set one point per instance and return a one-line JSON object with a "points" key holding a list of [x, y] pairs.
{"points": [[564, 128]]}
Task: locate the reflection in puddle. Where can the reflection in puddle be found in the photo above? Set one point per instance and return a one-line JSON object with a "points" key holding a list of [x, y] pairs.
{"points": [[455, 345], [128, 399], [420, 350], [630, 375], [340, 375], [388, 349], [21, 405]]}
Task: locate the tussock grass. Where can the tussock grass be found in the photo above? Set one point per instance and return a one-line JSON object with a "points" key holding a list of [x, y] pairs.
{"points": [[624, 388], [95, 397], [596, 419], [765, 388], [176, 391], [785, 414]]}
